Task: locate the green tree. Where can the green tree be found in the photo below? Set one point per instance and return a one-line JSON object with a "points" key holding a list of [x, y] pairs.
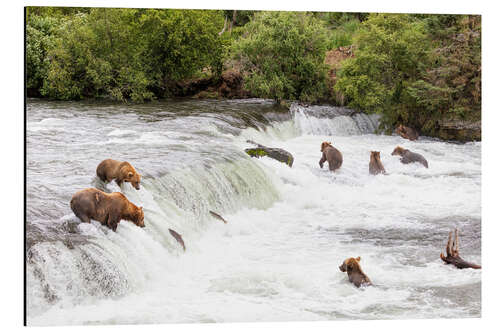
{"points": [[96, 55], [39, 40], [391, 57], [179, 44], [283, 55]]}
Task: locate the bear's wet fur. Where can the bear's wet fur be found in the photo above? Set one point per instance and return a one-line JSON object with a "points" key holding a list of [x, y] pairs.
{"points": [[354, 272], [332, 155], [375, 167], [408, 156], [407, 132], [109, 209], [110, 169]]}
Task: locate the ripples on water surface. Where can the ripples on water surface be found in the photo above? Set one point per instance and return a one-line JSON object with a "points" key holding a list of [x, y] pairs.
{"points": [[289, 228]]}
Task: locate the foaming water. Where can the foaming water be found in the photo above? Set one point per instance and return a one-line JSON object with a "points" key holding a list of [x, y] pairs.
{"points": [[288, 229]]}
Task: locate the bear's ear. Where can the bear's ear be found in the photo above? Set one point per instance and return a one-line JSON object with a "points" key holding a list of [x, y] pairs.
{"points": [[358, 258], [130, 174]]}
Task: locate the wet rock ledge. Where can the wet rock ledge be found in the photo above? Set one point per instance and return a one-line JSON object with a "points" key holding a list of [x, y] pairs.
{"points": [[458, 130]]}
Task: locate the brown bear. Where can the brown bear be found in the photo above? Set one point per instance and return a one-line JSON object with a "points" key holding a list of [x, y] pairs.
{"points": [[407, 132], [108, 209], [354, 272], [110, 169], [375, 167], [332, 155], [408, 156]]}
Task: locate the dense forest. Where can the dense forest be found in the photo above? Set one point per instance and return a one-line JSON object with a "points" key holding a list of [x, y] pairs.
{"points": [[420, 70]]}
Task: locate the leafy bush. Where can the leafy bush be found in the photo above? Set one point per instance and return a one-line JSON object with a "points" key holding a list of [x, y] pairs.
{"points": [[96, 55], [123, 53], [178, 44], [283, 55], [392, 55], [39, 40], [343, 34], [416, 69]]}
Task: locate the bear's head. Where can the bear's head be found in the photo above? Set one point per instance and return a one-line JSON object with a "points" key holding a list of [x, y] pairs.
{"points": [[324, 145], [134, 178], [350, 264], [375, 155], [398, 151], [139, 217], [400, 129]]}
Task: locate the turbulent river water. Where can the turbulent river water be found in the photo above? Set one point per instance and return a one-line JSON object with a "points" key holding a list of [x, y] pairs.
{"points": [[288, 229]]}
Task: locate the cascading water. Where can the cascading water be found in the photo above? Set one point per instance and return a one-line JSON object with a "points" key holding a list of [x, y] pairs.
{"points": [[288, 228], [332, 120]]}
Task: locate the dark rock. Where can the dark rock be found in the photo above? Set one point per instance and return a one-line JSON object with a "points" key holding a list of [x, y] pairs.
{"points": [[459, 130], [274, 153]]}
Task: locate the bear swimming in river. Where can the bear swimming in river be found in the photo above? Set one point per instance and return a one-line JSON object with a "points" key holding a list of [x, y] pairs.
{"points": [[375, 167], [332, 155], [108, 209], [408, 156], [407, 132], [354, 272], [110, 169]]}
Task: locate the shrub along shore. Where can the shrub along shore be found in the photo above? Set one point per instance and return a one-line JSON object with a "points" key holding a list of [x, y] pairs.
{"points": [[423, 71]]}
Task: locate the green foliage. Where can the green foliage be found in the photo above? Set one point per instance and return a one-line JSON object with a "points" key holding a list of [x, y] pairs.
{"points": [[283, 56], [416, 69], [343, 34], [39, 39], [122, 53], [96, 55], [392, 55], [180, 43]]}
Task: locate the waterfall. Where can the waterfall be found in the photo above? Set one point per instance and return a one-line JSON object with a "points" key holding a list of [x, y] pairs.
{"points": [[332, 120]]}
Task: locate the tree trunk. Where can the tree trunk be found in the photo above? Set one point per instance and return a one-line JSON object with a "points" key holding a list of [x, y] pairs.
{"points": [[452, 256], [233, 21]]}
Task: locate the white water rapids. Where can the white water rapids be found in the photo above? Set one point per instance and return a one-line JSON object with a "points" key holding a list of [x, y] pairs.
{"points": [[288, 229]]}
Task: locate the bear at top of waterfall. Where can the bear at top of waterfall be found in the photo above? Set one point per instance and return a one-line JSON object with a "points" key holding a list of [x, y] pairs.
{"points": [[407, 132], [330, 154], [109, 209], [121, 172], [375, 167], [354, 272], [408, 156]]}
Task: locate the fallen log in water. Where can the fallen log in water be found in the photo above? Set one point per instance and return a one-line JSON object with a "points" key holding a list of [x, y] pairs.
{"points": [[178, 238], [452, 256], [274, 153], [217, 216]]}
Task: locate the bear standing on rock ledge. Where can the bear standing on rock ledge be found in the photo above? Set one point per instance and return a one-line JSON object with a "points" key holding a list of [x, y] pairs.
{"points": [[110, 169], [332, 155], [108, 209]]}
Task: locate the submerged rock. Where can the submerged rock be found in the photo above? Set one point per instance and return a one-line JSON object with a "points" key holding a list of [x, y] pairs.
{"points": [[274, 153]]}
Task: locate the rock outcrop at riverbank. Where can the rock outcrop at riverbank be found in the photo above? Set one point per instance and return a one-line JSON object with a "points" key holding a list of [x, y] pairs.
{"points": [[459, 130]]}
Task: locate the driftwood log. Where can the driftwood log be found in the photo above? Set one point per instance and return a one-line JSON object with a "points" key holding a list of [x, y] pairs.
{"points": [[275, 153], [452, 256]]}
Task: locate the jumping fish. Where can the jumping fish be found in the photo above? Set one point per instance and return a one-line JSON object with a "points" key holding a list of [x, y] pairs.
{"points": [[217, 216], [178, 238]]}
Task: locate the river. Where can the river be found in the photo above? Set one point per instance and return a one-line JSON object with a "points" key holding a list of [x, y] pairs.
{"points": [[288, 229]]}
